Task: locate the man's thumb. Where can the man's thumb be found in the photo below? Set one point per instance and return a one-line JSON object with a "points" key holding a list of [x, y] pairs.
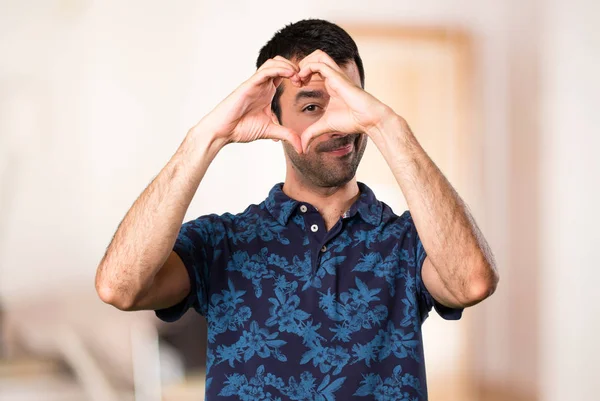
{"points": [[279, 132]]}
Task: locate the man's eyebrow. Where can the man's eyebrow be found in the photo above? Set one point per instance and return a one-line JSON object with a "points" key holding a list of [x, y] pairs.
{"points": [[310, 94]]}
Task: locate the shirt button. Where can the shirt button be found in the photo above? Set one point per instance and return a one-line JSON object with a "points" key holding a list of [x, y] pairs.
{"points": [[314, 228], [324, 249], [303, 208]]}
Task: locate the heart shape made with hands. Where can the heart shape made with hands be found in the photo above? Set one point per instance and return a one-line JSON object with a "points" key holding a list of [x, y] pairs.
{"points": [[350, 108]]}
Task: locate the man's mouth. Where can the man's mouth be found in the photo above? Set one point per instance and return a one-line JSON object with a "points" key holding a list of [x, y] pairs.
{"points": [[344, 150], [343, 146]]}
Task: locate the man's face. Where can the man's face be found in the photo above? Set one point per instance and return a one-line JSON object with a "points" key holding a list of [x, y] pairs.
{"points": [[334, 157]]}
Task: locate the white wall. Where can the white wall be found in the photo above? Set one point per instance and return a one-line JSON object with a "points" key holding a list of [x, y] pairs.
{"points": [[115, 89], [46, 230], [570, 213], [110, 91]]}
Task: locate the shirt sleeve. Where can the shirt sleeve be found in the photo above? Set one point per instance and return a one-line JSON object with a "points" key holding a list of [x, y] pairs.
{"points": [[426, 301], [195, 247]]}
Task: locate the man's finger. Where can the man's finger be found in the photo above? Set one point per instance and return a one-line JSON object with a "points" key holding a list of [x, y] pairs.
{"points": [[268, 73], [320, 127], [288, 62], [278, 62], [276, 131], [319, 56], [336, 81], [323, 69]]}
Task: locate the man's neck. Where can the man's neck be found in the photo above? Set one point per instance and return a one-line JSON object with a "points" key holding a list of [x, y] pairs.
{"points": [[332, 202]]}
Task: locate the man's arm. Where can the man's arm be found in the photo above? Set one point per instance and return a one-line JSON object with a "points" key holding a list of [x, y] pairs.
{"points": [[459, 269], [139, 269]]}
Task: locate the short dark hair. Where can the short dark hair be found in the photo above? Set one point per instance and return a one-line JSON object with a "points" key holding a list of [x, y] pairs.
{"points": [[301, 38]]}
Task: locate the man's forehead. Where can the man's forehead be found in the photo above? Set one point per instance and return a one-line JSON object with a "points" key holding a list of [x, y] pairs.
{"points": [[314, 89]]}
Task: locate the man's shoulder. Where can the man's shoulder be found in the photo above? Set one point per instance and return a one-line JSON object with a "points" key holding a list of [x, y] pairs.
{"points": [[230, 220], [390, 217]]}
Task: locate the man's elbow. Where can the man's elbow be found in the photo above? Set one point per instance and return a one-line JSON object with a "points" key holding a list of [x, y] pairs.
{"points": [[109, 296], [483, 286]]}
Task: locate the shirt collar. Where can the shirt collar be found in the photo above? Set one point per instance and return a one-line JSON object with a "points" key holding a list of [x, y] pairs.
{"points": [[280, 205], [367, 206]]}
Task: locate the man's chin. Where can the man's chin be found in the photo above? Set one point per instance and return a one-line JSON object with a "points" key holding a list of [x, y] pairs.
{"points": [[334, 181]]}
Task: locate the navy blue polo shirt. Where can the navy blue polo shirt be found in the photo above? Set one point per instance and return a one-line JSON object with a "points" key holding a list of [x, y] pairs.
{"points": [[295, 312]]}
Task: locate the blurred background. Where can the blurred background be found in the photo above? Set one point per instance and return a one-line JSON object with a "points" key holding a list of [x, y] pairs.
{"points": [[95, 97]]}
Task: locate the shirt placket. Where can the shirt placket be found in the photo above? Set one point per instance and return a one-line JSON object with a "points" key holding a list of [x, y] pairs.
{"points": [[318, 236]]}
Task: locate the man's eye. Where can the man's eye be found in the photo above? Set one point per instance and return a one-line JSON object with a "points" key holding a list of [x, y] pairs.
{"points": [[310, 108]]}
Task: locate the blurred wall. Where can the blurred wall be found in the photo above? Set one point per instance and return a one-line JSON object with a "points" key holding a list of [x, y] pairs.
{"points": [[95, 96], [569, 210]]}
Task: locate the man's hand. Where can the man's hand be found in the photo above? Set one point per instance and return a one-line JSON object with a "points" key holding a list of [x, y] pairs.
{"points": [[350, 108], [459, 269], [245, 115]]}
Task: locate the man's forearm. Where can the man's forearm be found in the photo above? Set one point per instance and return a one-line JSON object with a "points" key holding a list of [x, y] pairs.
{"points": [[452, 240], [148, 232]]}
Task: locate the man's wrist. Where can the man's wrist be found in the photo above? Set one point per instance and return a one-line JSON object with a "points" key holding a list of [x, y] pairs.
{"points": [[388, 127], [202, 140], [393, 137]]}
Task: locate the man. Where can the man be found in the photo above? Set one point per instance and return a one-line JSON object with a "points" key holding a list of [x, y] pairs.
{"points": [[320, 291]]}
